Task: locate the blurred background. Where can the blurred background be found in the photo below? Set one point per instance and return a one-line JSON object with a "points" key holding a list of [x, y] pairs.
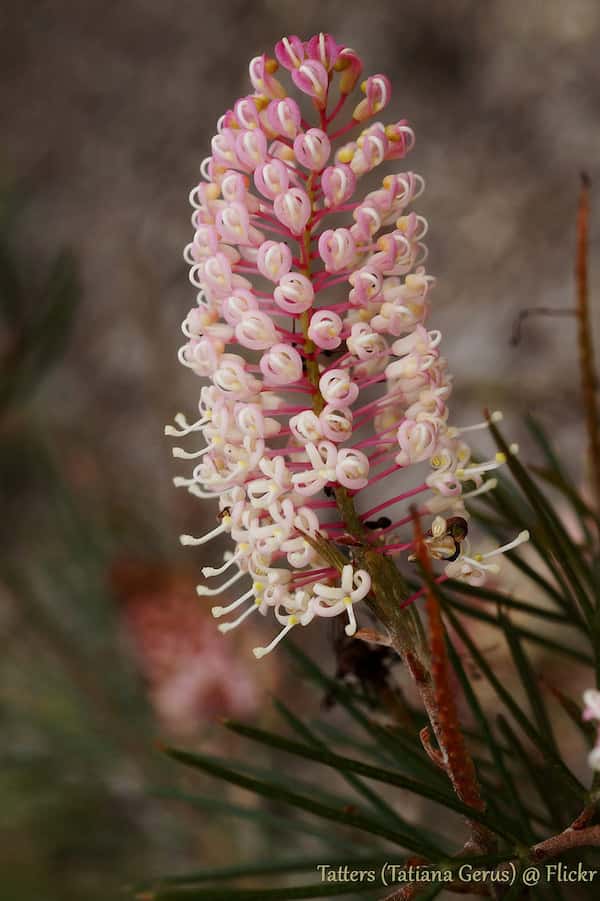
{"points": [[106, 111]]}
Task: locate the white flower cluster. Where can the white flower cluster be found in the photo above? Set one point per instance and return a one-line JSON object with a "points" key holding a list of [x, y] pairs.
{"points": [[312, 332]]}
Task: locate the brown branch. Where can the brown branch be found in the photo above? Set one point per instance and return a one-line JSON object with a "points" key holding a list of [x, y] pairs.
{"points": [[586, 348], [565, 841], [536, 311], [455, 756], [434, 754]]}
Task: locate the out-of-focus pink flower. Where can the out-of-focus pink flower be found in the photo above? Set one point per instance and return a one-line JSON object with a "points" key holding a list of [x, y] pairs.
{"points": [[192, 676]]}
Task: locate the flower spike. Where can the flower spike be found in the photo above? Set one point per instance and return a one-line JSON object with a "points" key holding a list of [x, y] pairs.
{"points": [[310, 324]]}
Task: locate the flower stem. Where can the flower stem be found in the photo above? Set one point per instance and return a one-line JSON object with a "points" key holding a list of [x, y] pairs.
{"points": [[586, 349]]}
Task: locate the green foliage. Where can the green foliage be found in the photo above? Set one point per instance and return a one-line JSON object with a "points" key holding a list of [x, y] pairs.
{"points": [[514, 741]]}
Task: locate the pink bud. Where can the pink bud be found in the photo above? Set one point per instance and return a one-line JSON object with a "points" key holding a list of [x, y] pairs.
{"points": [[337, 249], [290, 52], [350, 65], [401, 140], [323, 48], [337, 387], [294, 294], [205, 243], [238, 304], [274, 260], [336, 422], [378, 91], [256, 331], [372, 148], [281, 365], [325, 329], [233, 223], [352, 468], [366, 286], [338, 184], [261, 75], [311, 78], [271, 178], [283, 117], [417, 441], [293, 209], [368, 221], [246, 112], [234, 187], [224, 148], [251, 147], [312, 149], [216, 273]]}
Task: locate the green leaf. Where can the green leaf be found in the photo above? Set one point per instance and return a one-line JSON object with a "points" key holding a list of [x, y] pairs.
{"points": [[401, 747], [41, 341], [265, 868], [514, 518], [538, 776], [313, 890], [556, 764], [483, 593], [11, 290], [262, 818], [529, 681], [355, 781], [491, 742], [557, 477], [575, 713], [573, 564], [277, 793], [347, 764], [527, 634]]}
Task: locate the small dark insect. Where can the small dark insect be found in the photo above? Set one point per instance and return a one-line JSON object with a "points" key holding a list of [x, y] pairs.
{"points": [[447, 545], [358, 661], [382, 523], [328, 491], [226, 511]]}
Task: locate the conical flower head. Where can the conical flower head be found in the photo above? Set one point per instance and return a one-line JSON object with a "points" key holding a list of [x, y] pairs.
{"points": [[311, 325]]}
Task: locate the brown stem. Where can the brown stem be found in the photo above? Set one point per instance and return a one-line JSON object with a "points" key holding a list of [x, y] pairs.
{"points": [[586, 349], [440, 702], [564, 841], [536, 311]]}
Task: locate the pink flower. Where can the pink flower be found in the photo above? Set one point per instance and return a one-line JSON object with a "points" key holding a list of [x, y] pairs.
{"points": [[310, 324]]}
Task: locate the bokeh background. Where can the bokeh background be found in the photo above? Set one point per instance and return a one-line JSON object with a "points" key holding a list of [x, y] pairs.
{"points": [[106, 111]]}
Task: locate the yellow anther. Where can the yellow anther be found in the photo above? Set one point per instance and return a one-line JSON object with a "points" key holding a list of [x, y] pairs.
{"points": [[293, 621], [261, 102], [347, 600], [258, 600], [258, 586], [460, 473], [363, 87], [478, 557], [271, 65], [500, 457], [436, 461], [346, 155], [392, 134]]}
